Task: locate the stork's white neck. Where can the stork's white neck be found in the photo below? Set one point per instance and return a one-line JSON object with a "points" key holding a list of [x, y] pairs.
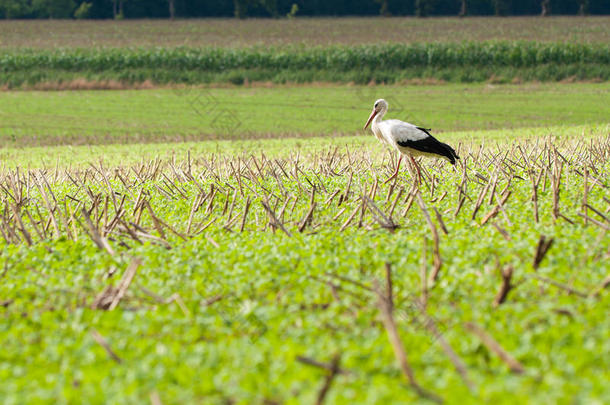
{"points": [[378, 118]]}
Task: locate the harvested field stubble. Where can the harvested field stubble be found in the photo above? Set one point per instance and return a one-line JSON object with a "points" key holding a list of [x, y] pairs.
{"points": [[197, 264], [45, 204]]}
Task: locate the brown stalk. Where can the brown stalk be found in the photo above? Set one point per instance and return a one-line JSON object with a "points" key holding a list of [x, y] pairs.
{"points": [[334, 370], [349, 219], [104, 343], [273, 219], [423, 275], [387, 318], [437, 256], [325, 366], [125, 282], [245, 214], [378, 215], [586, 194], [501, 230], [95, 235], [544, 245], [48, 206], [453, 356], [597, 290], [24, 231], [535, 193], [480, 199], [439, 218], [493, 346], [388, 282], [155, 220], [496, 209], [398, 195], [598, 213], [560, 285], [556, 184], [308, 217], [592, 220], [507, 274]]}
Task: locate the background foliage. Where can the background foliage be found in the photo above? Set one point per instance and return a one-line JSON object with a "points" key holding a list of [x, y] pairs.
{"points": [[100, 9]]}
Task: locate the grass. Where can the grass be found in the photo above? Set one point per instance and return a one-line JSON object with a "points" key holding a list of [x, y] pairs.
{"points": [[112, 155], [308, 31], [235, 266], [194, 114]]}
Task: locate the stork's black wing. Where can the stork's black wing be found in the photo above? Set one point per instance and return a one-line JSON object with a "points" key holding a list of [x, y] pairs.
{"points": [[430, 144]]}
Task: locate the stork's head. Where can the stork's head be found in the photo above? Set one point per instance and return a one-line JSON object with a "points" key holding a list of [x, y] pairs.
{"points": [[380, 107]]}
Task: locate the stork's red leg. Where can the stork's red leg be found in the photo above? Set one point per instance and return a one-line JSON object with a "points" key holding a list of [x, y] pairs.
{"points": [[418, 171], [396, 171]]}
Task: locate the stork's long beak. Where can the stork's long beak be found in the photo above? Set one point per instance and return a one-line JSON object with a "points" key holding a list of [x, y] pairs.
{"points": [[373, 114]]}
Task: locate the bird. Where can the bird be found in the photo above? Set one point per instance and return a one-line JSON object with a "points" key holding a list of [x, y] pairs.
{"points": [[407, 138]]}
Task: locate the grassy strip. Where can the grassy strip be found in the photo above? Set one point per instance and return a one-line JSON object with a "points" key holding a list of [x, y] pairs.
{"points": [[122, 154], [549, 72], [242, 113], [383, 63]]}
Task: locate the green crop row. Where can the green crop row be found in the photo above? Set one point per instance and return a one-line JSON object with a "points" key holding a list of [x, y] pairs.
{"points": [[340, 58], [384, 63]]}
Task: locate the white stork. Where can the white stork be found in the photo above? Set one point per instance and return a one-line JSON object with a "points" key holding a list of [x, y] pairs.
{"points": [[406, 138]]}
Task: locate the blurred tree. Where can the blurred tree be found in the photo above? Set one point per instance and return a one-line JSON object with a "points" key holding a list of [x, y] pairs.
{"points": [[54, 8], [270, 6], [276, 8], [241, 8], [172, 9], [422, 8], [293, 11], [463, 8], [83, 11], [583, 7], [383, 9], [15, 8], [501, 7]]}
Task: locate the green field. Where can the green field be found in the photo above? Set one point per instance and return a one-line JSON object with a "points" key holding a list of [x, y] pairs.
{"points": [[134, 54], [170, 115], [464, 62], [225, 299], [237, 244]]}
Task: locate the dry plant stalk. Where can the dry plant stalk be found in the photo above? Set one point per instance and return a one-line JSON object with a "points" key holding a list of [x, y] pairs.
{"points": [[437, 256], [557, 284], [334, 370], [544, 245], [507, 274], [104, 343], [325, 366], [493, 346], [423, 275], [399, 351]]}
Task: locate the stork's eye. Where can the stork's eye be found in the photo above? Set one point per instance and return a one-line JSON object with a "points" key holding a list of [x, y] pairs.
{"points": [[376, 104]]}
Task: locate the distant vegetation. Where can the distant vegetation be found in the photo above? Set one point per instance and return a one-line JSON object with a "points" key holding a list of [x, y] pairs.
{"points": [[389, 63], [120, 9]]}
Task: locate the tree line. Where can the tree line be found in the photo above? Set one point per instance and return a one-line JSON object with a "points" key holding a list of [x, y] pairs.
{"points": [[118, 9]]}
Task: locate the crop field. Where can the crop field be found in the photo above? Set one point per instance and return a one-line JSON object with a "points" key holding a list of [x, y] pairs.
{"points": [[465, 62], [247, 278], [307, 31], [190, 212]]}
